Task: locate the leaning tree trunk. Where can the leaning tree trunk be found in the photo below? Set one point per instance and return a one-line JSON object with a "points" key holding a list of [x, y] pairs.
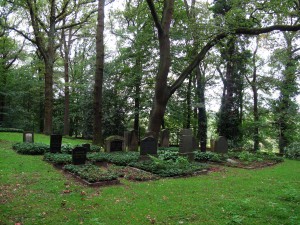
{"points": [[97, 106]]}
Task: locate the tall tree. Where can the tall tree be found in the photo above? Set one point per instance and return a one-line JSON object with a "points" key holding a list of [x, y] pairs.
{"points": [[97, 105]]}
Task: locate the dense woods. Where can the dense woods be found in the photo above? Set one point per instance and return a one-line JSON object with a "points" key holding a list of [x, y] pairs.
{"points": [[93, 69]]}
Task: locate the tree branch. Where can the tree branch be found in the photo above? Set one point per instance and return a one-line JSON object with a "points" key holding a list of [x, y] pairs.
{"points": [[155, 16]]}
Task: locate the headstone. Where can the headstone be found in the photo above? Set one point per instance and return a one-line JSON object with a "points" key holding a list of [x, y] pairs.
{"points": [[148, 146], [28, 137], [87, 146], [55, 143], [79, 155], [187, 144], [133, 141], [126, 139], [114, 144], [221, 145], [165, 138]]}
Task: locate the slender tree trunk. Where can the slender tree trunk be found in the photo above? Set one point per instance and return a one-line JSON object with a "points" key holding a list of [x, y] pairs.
{"points": [[97, 106], [67, 97], [256, 120], [137, 81], [188, 103]]}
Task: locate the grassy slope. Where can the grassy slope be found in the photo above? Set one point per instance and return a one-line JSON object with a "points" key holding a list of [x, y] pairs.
{"points": [[32, 192]]}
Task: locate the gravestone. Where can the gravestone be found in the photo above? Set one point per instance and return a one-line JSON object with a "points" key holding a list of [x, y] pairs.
{"points": [[79, 155], [165, 138], [221, 145], [55, 143], [212, 145], [187, 144], [148, 146], [133, 144], [114, 144], [87, 146], [126, 139], [28, 137]]}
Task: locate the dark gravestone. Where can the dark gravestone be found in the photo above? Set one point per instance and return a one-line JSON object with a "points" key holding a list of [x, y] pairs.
{"points": [[187, 144], [133, 141], [148, 146], [87, 146], [165, 138], [221, 145], [79, 155], [126, 139], [114, 144], [186, 132], [28, 137], [55, 143], [212, 145]]}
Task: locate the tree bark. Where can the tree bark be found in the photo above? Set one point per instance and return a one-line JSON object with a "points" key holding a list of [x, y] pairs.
{"points": [[97, 106]]}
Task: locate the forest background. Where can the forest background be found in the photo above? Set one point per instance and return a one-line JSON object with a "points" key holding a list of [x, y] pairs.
{"points": [[223, 67]]}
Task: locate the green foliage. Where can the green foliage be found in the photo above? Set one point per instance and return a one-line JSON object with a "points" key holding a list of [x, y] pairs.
{"points": [[293, 151], [31, 148], [168, 168], [208, 156], [255, 157], [118, 158], [67, 148], [138, 175], [12, 130], [170, 153], [90, 172], [58, 158]]}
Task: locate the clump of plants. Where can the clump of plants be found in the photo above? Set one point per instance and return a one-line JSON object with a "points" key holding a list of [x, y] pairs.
{"points": [[170, 153], [67, 148], [168, 168], [30, 148], [138, 175], [12, 130], [91, 173], [293, 151], [58, 158], [118, 158], [208, 156]]}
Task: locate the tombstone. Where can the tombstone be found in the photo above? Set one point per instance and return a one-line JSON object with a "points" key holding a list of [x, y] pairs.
{"points": [[187, 144], [79, 155], [221, 145], [114, 144], [55, 143], [148, 146], [133, 144], [165, 138], [87, 146], [28, 137]]}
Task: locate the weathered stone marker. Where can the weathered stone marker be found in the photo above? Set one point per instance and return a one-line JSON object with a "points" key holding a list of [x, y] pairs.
{"points": [[221, 145], [165, 138], [87, 146], [79, 155], [187, 144], [28, 137], [114, 144], [148, 146], [55, 143]]}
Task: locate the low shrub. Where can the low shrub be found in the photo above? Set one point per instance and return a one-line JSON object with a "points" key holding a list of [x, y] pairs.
{"points": [[12, 130], [171, 153], [91, 173], [168, 168], [293, 151], [58, 158], [67, 148], [208, 156], [31, 148], [138, 175], [118, 158]]}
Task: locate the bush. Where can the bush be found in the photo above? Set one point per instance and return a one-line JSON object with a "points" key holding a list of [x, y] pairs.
{"points": [[91, 173], [12, 130], [168, 168], [168, 153], [31, 148], [67, 148], [58, 158], [293, 151], [118, 158], [208, 156]]}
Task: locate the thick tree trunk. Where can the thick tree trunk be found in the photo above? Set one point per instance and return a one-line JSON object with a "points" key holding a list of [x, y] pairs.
{"points": [[97, 106], [48, 97]]}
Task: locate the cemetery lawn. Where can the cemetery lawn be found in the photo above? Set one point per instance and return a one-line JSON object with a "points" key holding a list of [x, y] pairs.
{"points": [[34, 192]]}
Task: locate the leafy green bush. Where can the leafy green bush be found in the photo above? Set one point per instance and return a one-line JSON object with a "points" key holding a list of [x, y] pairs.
{"points": [[58, 158], [91, 173], [293, 151], [31, 148], [208, 156], [168, 168], [118, 158], [67, 148], [168, 153], [12, 130]]}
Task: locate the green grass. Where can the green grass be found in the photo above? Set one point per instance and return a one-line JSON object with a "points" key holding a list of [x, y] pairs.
{"points": [[32, 192]]}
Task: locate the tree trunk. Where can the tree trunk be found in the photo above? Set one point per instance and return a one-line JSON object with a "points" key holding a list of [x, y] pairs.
{"points": [[188, 103], [97, 106]]}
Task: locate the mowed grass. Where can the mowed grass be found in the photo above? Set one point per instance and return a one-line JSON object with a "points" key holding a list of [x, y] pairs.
{"points": [[33, 192]]}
